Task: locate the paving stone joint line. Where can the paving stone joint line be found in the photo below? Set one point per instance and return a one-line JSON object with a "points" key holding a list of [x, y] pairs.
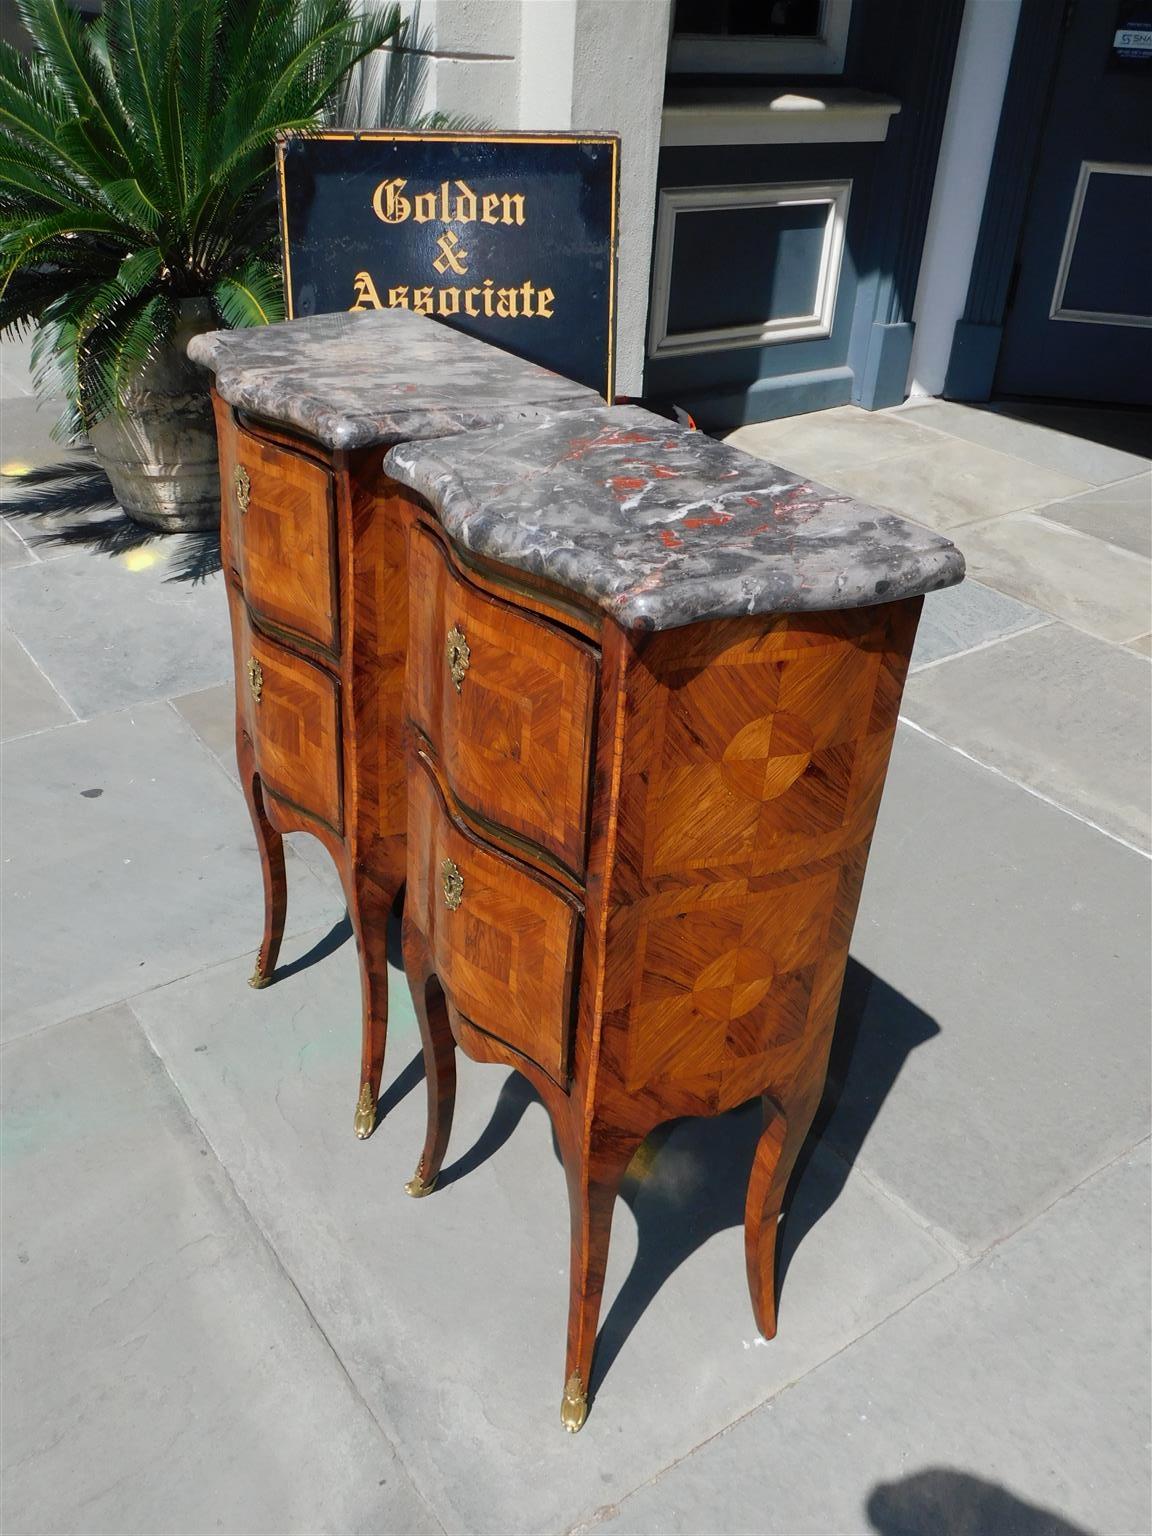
{"points": [[985, 645], [66, 703], [385, 1434], [610, 1511], [1037, 794]]}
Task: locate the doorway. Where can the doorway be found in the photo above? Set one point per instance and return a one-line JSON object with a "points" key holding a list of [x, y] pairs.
{"points": [[1079, 322]]}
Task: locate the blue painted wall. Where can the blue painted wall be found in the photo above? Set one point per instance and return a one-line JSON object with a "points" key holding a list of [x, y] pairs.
{"points": [[903, 48], [755, 383]]}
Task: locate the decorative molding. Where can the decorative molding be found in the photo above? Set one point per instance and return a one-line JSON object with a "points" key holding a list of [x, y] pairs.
{"points": [[915, 53], [766, 115], [702, 53], [1039, 35], [1088, 169], [674, 200], [976, 346]]}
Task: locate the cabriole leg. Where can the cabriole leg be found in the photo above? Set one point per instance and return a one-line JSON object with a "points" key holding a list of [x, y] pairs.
{"points": [[368, 909], [594, 1176], [439, 1059], [270, 846], [776, 1154]]}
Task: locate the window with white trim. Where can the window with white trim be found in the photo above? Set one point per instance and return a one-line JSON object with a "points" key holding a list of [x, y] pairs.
{"points": [[786, 37]]}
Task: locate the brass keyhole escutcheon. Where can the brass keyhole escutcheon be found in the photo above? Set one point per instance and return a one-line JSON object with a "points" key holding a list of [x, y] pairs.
{"points": [[242, 485], [458, 655], [255, 678], [453, 884]]}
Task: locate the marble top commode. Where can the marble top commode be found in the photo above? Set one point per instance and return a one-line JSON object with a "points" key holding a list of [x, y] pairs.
{"points": [[351, 380], [661, 526]]}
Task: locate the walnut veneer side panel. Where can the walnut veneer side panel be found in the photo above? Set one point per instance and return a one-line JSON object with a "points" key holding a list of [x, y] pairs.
{"points": [[738, 779], [507, 702], [375, 618], [750, 779]]}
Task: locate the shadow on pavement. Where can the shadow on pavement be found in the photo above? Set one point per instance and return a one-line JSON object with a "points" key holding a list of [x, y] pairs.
{"points": [[1125, 428], [338, 934], [688, 1181], [71, 505], [940, 1502]]}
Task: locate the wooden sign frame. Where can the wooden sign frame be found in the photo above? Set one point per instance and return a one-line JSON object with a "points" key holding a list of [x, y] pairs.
{"points": [[426, 201]]}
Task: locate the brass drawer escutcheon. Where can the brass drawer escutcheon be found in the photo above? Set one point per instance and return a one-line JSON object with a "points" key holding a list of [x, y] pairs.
{"points": [[255, 678], [242, 485], [453, 884], [458, 655]]}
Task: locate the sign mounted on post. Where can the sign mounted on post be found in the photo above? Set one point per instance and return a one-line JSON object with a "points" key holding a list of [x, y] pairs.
{"points": [[508, 236]]}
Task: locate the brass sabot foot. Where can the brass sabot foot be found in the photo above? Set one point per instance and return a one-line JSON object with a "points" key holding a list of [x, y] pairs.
{"points": [[258, 977], [417, 1186], [365, 1122], [574, 1404]]}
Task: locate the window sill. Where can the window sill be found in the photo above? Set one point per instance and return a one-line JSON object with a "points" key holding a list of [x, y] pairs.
{"points": [[773, 115]]}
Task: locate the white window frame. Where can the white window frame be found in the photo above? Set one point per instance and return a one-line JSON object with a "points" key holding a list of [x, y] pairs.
{"points": [[1056, 310], [675, 200], [697, 53]]}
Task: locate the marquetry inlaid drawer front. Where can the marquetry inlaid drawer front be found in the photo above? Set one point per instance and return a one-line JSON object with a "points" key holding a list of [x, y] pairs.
{"points": [[506, 701], [279, 505], [503, 939], [291, 712]]}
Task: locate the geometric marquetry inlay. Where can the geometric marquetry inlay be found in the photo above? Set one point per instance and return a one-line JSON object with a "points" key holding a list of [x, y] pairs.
{"points": [[514, 733], [753, 787], [723, 983], [772, 752]]}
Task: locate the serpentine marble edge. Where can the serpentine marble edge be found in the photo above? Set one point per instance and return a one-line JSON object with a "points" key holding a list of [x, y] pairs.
{"points": [[382, 376], [661, 526]]}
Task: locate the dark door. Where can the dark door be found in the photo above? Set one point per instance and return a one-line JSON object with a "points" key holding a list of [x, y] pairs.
{"points": [[1080, 322]]}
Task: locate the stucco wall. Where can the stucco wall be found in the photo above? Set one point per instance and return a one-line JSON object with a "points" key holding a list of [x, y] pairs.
{"points": [[557, 64], [618, 83], [476, 71]]}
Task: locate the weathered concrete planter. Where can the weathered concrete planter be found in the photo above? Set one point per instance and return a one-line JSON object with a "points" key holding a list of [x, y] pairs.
{"points": [[161, 454]]}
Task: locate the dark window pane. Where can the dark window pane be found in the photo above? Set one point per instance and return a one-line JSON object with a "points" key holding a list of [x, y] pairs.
{"points": [[777, 18], [1111, 267], [706, 16], [742, 266]]}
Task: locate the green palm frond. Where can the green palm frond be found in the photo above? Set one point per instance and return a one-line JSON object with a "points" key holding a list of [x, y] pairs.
{"points": [[135, 170], [254, 295]]}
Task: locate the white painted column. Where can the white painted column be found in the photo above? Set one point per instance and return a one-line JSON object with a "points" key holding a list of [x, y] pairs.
{"points": [[547, 59], [987, 35], [618, 84], [599, 65], [475, 72], [569, 64]]}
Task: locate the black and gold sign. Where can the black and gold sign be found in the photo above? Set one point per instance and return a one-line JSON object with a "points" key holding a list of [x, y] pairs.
{"points": [[509, 236]]}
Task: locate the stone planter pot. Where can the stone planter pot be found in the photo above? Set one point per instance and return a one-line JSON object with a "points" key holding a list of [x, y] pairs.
{"points": [[160, 455]]}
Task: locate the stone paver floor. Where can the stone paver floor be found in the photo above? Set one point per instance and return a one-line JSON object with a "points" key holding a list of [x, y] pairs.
{"points": [[221, 1313]]}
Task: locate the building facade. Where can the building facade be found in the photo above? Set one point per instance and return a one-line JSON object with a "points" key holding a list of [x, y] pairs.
{"points": [[834, 201]]}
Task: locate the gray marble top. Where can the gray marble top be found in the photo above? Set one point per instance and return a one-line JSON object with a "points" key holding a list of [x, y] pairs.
{"points": [[382, 376], [661, 526]]}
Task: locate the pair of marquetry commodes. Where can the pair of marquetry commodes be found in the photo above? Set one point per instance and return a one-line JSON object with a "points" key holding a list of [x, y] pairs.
{"points": [[648, 688], [313, 550]]}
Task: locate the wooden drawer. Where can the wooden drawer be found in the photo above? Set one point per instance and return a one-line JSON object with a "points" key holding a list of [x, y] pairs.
{"points": [[503, 939], [291, 711], [282, 538], [506, 701]]}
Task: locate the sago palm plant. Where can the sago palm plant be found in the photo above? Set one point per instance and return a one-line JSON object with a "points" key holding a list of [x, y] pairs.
{"points": [[136, 196]]}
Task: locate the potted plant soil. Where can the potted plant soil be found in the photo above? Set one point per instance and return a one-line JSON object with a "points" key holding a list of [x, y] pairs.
{"points": [[137, 207]]}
